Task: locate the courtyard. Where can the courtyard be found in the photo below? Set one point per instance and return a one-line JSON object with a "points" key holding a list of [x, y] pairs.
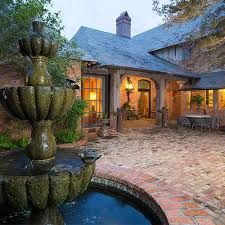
{"points": [[190, 161]]}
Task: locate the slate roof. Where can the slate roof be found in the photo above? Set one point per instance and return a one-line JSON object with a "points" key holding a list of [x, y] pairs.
{"points": [[109, 49], [112, 50], [208, 81], [168, 35], [172, 34]]}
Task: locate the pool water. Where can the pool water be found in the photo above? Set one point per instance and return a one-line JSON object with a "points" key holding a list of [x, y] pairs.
{"points": [[99, 208], [95, 207]]}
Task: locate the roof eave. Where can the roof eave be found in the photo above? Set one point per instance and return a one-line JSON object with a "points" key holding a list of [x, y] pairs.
{"points": [[150, 71]]}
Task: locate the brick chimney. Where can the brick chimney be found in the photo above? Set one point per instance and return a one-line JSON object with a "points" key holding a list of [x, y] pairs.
{"points": [[123, 25]]}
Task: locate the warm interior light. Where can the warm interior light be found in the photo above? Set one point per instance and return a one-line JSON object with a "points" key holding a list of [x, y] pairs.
{"points": [[93, 96], [129, 85]]}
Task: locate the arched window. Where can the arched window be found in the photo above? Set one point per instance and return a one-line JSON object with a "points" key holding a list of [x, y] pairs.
{"points": [[144, 85]]}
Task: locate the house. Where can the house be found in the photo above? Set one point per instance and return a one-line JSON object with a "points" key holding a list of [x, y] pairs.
{"points": [[146, 70]]}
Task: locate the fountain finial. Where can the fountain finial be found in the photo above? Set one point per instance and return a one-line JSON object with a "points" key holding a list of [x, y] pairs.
{"points": [[38, 26], [38, 44]]}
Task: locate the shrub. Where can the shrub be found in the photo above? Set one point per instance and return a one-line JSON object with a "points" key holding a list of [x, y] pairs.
{"points": [[6, 142], [66, 128], [67, 136]]}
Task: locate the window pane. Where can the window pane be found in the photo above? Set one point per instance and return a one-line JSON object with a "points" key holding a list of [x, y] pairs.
{"points": [[209, 98], [93, 106], [85, 94], [143, 84], [99, 83], [93, 83], [85, 82], [99, 95], [222, 99]]}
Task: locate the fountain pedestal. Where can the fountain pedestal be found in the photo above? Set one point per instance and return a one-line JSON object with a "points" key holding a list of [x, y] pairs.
{"points": [[42, 145]]}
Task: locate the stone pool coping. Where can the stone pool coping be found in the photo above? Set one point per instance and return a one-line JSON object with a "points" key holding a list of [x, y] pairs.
{"points": [[179, 208]]}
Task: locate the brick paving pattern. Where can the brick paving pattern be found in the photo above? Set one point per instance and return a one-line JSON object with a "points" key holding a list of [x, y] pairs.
{"points": [[179, 208], [190, 161]]}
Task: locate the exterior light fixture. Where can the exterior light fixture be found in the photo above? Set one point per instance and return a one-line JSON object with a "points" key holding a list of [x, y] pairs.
{"points": [[129, 88]]}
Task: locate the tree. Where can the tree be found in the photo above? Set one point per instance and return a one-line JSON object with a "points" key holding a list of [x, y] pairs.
{"points": [[212, 33], [16, 19]]}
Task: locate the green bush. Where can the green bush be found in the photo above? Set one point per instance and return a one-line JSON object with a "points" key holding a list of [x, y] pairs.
{"points": [[67, 136], [66, 128], [7, 143]]}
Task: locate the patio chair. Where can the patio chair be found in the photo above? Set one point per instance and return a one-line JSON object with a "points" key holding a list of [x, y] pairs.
{"points": [[207, 123], [215, 123], [198, 123], [183, 122]]}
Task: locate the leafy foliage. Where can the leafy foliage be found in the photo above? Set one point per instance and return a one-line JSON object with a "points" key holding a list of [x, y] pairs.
{"points": [[7, 143], [68, 125], [212, 31], [197, 99], [67, 136], [75, 113], [16, 19]]}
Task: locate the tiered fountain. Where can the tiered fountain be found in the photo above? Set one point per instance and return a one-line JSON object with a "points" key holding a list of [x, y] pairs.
{"points": [[40, 176]]}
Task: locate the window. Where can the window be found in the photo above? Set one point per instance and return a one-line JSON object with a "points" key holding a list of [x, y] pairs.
{"points": [[222, 99], [93, 94], [209, 98], [143, 85], [188, 99]]}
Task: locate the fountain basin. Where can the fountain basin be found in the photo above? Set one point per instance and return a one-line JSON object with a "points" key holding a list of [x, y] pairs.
{"points": [[37, 103], [25, 187]]}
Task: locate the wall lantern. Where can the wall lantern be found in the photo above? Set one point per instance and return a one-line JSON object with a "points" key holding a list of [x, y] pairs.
{"points": [[129, 88]]}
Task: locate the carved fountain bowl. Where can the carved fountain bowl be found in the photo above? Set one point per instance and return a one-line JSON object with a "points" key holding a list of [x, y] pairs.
{"points": [[37, 103]]}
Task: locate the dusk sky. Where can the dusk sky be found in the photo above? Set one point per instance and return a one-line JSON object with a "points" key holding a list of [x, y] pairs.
{"points": [[101, 14]]}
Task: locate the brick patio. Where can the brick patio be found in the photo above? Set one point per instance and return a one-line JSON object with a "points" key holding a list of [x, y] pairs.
{"points": [[189, 161], [179, 208]]}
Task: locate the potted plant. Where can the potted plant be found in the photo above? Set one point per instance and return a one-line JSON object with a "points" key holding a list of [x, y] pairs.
{"points": [[197, 100]]}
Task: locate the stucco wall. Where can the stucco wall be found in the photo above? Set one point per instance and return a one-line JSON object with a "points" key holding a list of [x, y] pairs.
{"points": [[174, 98]]}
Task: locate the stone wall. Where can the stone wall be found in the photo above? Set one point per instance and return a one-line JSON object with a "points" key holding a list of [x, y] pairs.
{"points": [[74, 73]]}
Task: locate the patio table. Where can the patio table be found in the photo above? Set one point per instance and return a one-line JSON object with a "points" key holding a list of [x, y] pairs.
{"points": [[193, 117]]}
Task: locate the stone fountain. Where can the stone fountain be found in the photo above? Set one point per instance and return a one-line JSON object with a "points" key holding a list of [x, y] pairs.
{"points": [[39, 176]]}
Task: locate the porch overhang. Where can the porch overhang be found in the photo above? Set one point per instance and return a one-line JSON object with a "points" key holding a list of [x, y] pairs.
{"points": [[150, 73], [207, 81]]}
